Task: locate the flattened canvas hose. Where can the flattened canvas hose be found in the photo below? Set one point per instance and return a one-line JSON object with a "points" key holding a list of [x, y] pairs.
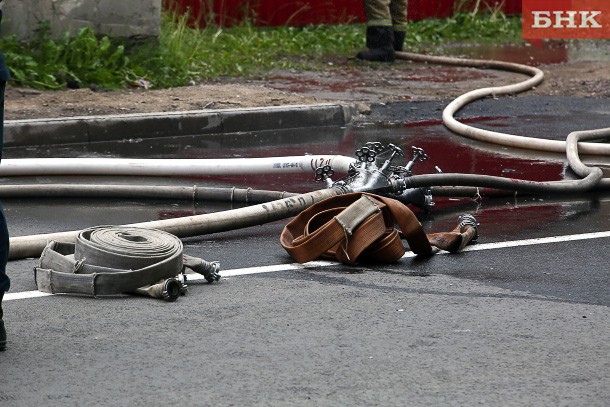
{"points": [[108, 260]]}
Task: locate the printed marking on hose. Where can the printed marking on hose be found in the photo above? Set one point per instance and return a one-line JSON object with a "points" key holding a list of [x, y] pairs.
{"points": [[316, 264]]}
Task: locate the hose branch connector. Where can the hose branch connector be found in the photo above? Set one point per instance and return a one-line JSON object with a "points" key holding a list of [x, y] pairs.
{"points": [[418, 155], [365, 175], [325, 173], [169, 290]]}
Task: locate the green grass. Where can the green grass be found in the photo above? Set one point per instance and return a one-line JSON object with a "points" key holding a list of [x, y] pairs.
{"points": [[183, 55]]}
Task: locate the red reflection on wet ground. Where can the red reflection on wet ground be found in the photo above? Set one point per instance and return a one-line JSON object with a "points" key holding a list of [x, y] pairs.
{"points": [[454, 157], [549, 52], [444, 74], [489, 120], [350, 80], [354, 81], [448, 153]]}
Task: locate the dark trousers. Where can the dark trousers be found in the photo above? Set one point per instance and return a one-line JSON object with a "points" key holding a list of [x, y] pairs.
{"points": [[388, 13], [5, 283]]}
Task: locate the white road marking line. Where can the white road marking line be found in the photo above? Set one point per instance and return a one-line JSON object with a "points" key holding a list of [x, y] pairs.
{"points": [[314, 264], [269, 269], [542, 240], [23, 295]]}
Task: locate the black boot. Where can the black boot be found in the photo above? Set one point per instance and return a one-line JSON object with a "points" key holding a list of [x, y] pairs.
{"points": [[2, 330], [380, 44], [399, 40]]}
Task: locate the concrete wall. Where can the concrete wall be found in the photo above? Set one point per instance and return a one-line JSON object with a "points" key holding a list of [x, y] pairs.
{"points": [[115, 18]]}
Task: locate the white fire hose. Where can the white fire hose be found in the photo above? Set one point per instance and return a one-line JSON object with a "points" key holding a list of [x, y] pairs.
{"points": [[537, 76], [171, 167]]}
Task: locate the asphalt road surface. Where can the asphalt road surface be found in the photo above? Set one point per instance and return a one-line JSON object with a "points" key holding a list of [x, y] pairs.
{"points": [[520, 318]]}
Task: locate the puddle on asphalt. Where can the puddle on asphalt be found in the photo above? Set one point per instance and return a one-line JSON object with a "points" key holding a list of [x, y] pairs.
{"points": [[447, 152]]}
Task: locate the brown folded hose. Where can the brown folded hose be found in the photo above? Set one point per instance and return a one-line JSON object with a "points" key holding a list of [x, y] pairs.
{"points": [[361, 227]]}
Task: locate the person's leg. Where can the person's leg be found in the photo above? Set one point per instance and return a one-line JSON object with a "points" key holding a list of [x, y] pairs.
{"points": [[5, 283], [379, 32], [398, 11], [4, 280]]}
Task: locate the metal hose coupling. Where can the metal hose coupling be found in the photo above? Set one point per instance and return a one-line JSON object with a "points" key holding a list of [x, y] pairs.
{"points": [[210, 270], [169, 290], [468, 220]]}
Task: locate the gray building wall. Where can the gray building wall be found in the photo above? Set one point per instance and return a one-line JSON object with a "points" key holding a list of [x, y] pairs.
{"points": [[115, 18]]}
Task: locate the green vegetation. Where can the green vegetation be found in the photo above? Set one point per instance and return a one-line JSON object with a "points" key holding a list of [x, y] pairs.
{"points": [[184, 55]]}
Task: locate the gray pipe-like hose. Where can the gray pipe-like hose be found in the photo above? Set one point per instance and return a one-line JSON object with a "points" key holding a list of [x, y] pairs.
{"points": [[32, 246], [468, 192], [593, 176], [191, 193], [488, 181]]}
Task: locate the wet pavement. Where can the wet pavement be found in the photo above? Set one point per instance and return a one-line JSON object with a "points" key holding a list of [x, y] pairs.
{"points": [[519, 319]]}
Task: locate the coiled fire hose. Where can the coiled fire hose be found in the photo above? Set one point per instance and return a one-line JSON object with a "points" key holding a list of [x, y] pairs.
{"points": [[109, 260]]}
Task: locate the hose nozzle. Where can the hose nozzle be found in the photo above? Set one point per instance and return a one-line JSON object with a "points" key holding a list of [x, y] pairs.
{"points": [[467, 231], [209, 269], [168, 290]]}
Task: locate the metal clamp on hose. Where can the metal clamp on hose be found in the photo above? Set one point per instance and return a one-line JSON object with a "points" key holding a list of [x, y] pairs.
{"points": [[108, 260], [467, 220]]}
